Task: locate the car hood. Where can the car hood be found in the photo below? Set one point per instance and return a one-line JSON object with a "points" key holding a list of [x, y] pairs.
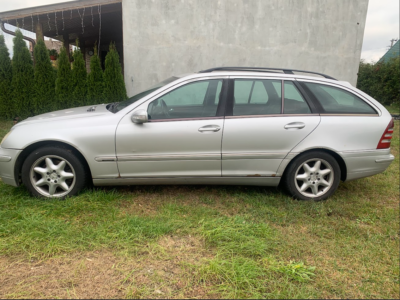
{"points": [[70, 113]]}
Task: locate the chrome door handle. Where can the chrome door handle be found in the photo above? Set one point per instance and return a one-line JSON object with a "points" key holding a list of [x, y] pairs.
{"points": [[295, 125], [209, 128]]}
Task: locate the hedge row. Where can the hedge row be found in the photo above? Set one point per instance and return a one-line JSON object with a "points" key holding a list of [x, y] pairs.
{"points": [[27, 89], [381, 81]]}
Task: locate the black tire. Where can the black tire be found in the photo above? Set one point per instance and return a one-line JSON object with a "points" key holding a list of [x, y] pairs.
{"points": [[315, 182], [54, 182]]}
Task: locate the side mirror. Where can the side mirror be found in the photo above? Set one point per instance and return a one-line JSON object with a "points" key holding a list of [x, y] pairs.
{"points": [[140, 116]]}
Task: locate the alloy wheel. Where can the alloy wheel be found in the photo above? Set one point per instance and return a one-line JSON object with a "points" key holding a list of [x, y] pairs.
{"points": [[52, 176], [314, 178]]}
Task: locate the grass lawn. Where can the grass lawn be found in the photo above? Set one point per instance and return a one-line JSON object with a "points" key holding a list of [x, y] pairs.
{"points": [[202, 242]]}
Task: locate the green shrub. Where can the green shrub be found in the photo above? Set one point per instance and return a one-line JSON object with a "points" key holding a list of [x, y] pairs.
{"points": [[22, 80], [64, 88], [381, 81], [5, 81], [79, 77], [95, 83], [44, 80], [114, 85]]}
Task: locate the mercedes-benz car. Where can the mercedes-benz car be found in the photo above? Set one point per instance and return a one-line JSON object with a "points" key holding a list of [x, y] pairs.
{"points": [[225, 126]]}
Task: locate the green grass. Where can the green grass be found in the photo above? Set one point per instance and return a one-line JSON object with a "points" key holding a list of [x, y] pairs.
{"points": [[248, 242]]}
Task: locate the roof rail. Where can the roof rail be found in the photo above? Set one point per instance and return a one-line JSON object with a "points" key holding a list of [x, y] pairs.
{"points": [[267, 70]]}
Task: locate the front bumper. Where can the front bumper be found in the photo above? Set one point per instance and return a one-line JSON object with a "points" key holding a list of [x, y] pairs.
{"points": [[8, 158], [366, 163]]}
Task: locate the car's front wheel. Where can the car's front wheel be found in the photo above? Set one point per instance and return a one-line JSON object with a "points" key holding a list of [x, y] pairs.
{"points": [[312, 176], [53, 172]]}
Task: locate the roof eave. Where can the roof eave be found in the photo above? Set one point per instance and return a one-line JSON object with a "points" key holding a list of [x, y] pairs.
{"points": [[25, 12]]}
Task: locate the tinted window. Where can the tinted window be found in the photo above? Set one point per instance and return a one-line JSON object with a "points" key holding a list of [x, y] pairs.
{"points": [[188, 95], [257, 97], [218, 92], [294, 102], [337, 101], [194, 100]]}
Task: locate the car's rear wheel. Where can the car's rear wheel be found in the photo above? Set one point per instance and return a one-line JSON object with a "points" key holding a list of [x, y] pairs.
{"points": [[312, 176], [52, 172]]}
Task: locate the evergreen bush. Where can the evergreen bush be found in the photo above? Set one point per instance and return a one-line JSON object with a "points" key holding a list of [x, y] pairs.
{"points": [[22, 78], [6, 105], [64, 88], [44, 80], [95, 84], [381, 81], [114, 85], [79, 78]]}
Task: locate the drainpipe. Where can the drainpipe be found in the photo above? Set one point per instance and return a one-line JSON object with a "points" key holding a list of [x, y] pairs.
{"points": [[24, 37]]}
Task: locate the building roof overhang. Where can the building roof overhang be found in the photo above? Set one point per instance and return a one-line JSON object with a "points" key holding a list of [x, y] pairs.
{"points": [[51, 8], [79, 19]]}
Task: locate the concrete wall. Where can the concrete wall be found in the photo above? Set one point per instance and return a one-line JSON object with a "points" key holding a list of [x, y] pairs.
{"points": [[167, 37]]}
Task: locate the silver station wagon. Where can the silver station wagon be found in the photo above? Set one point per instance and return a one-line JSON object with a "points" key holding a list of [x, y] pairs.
{"points": [[230, 125]]}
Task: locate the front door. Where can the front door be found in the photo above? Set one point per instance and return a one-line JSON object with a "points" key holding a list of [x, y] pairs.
{"points": [[262, 126], [182, 138]]}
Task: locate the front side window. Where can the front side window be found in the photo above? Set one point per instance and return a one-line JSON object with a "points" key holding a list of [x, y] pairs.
{"points": [[257, 97], [194, 100], [338, 101]]}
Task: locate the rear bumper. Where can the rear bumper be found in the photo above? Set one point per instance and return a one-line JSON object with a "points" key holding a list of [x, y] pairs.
{"points": [[8, 157], [366, 163]]}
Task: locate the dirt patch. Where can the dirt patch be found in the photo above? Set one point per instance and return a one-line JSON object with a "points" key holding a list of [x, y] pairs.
{"points": [[165, 271], [89, 275]]}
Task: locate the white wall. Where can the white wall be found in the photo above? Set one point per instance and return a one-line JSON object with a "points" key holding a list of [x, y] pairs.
{"points": [[167, 37]]}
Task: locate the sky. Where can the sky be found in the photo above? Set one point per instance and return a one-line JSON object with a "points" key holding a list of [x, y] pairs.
{"points": [[382, 24]]}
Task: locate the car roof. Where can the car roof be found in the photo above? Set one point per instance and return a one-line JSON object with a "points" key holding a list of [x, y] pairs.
{"points": [[218, 73], [266, 70]]}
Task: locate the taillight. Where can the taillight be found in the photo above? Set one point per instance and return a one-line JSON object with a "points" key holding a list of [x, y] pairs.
{"points": [[386, 138]]}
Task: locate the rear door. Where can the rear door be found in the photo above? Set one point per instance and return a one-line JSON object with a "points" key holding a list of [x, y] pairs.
{"points": [[265, 119]]}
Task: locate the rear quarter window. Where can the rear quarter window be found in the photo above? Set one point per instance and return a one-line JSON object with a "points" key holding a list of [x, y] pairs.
{"points": [[334, 100]]}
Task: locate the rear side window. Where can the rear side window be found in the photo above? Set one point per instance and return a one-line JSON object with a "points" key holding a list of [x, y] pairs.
{"points": [[337, 101], [257, 97], [294, 102], [218, 93]]}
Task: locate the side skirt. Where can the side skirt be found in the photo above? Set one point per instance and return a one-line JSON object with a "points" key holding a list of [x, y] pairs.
{"points": [[257, 181]]}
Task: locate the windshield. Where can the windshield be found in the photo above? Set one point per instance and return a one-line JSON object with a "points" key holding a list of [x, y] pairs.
{"points": [[139, 96]]}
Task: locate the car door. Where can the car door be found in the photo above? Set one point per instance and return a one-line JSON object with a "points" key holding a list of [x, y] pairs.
{"points": [[265, 119], [182, 137]]}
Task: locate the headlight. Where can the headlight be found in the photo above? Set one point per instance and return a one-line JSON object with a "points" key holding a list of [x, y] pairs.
{"points": [[4, 138]]}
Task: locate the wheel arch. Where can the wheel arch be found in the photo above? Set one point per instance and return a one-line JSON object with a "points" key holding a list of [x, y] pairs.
{"points": [[24, 154], [336, 156]]}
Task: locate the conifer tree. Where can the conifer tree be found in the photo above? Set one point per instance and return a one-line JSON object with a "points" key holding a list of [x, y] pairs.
{"points": [[6, 104], [44, 80], [79, 78], [114, 85], [95, 82], [64, 88], [22, 80]]}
